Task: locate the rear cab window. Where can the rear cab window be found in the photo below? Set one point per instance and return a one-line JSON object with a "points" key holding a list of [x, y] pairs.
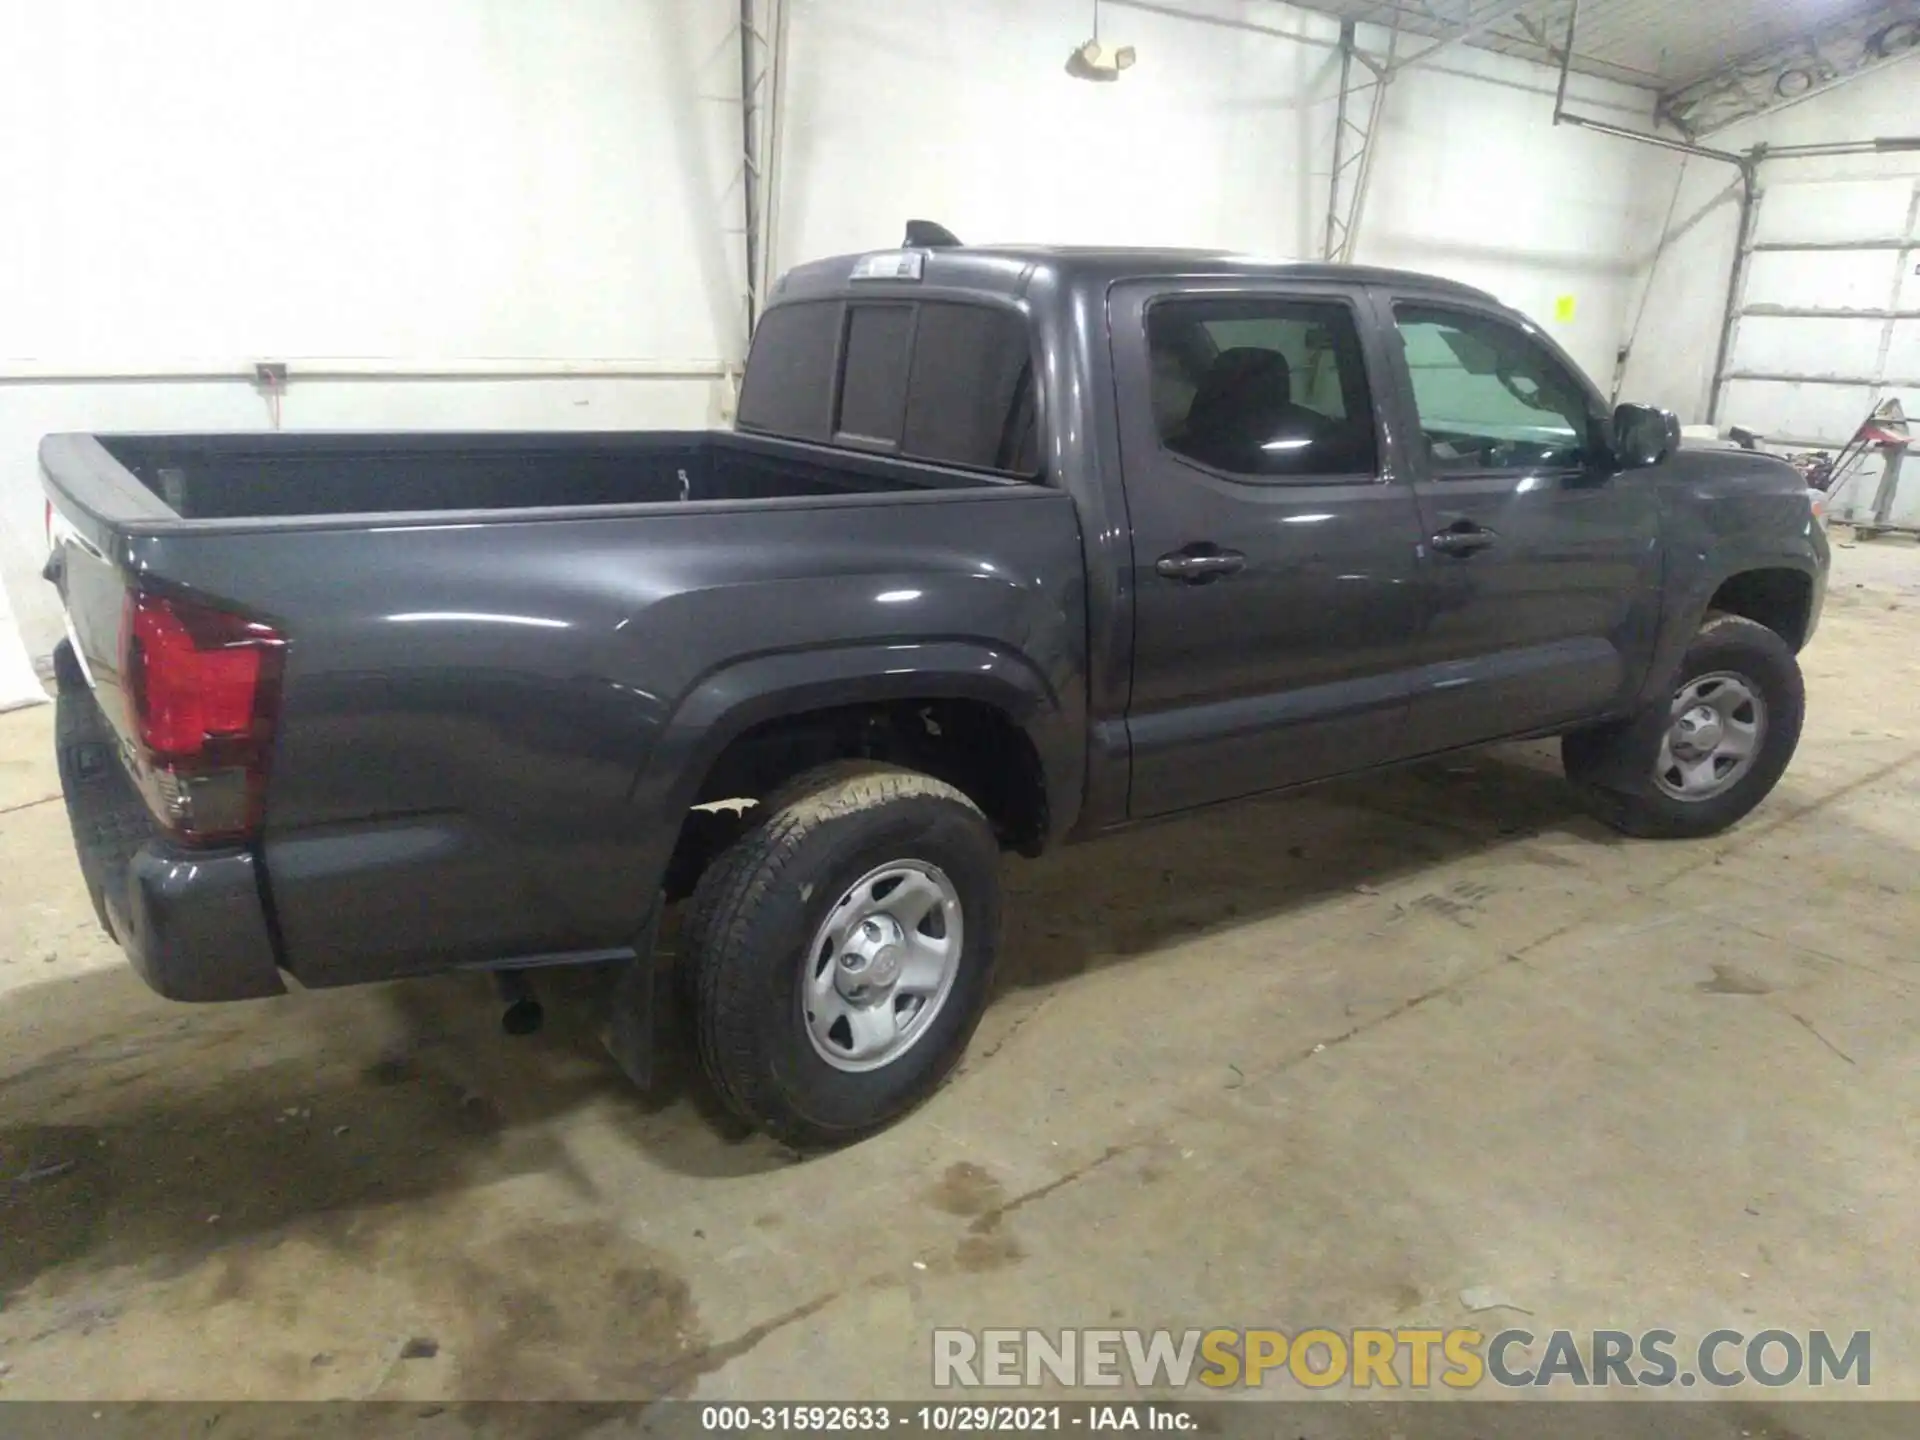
{"points": [[788, 387], [942, 381], [873, 388]]}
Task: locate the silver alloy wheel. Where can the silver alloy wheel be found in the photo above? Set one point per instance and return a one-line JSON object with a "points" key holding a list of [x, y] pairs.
{"points": [[881, 965], [1714, 733]]}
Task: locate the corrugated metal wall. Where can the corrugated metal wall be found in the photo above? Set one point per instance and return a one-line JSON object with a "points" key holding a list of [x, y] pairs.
{"points": [[1831, 306]]}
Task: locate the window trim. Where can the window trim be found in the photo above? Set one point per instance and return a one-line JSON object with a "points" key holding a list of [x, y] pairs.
{"points": [[1597, 451], [1382, 472]]}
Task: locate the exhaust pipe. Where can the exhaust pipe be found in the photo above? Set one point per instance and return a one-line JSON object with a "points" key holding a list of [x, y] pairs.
{"points": [[523, 1014]]}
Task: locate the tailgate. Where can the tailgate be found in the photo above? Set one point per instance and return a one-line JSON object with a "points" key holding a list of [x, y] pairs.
{"points": [[185, 687], [110, 820], [161, 753], [92, 500]]}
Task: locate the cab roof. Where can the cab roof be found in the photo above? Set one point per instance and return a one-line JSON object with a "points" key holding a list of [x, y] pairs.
{"points": [[1011, 268]]}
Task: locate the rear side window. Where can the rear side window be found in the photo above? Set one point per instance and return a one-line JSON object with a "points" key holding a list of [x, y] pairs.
{"points": [[788, 389], [1260, 386], [940, 381]]}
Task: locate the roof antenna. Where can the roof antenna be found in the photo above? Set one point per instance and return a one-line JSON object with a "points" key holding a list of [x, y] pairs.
{"points": [[927, 233]]}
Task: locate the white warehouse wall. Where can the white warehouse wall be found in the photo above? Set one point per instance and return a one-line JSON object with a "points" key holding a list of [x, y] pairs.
{"points": [[1474, 181], [1221, 135], [215, 182], [1679, 336], [449, 181]]}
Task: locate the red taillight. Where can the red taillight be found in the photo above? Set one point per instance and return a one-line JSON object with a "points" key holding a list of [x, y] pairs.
{"points": [[203, 694]]}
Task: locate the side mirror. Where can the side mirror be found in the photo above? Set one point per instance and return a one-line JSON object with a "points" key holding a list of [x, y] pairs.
{"points": [[1644, 436]]}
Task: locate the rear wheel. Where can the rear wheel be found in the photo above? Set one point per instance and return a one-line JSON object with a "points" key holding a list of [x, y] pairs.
{"points": [[840, 952], [1702, 760]]}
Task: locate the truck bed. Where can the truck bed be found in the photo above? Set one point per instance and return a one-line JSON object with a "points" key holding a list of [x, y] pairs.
{"points": [[225, 477], [507, 656]]}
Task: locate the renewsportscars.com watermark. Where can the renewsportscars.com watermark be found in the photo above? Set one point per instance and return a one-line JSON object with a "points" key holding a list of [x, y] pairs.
{"points": [[1402, 1358]]}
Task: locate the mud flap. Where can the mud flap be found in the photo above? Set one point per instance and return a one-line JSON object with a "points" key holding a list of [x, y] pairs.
{"points": [[1619, 756], [1627, 767], [629, 1033]]}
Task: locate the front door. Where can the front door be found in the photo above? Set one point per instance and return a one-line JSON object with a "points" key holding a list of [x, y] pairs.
{"points": [[1274, 558], [1542, 562]]}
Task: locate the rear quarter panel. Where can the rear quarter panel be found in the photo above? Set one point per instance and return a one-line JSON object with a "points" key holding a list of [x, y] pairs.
{"points": [[491, 728]]}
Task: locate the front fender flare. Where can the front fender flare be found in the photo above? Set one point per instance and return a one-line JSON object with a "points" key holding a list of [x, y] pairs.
{"points": [[1686, 610]]}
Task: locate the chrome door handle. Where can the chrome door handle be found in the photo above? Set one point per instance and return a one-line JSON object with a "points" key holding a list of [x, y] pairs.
{"points": [[1464, 541], [1196, 568]]}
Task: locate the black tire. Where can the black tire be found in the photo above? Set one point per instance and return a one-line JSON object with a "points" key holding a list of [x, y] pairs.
{"points": [[748, 928], [716, 880], [1613, 768]]}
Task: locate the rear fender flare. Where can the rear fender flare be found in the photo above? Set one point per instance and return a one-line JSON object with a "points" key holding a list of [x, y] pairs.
{"points": [[728, 702]]}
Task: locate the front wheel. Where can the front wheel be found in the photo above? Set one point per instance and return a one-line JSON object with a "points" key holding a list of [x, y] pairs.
{"points": [[841, 951], [1712, 752]]}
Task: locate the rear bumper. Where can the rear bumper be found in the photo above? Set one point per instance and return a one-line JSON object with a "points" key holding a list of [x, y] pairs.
{"points": [[192, 922], [193, 925]]}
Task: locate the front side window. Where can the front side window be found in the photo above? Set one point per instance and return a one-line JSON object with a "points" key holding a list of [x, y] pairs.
{"points": [[1261, 387], [1490, 397]]}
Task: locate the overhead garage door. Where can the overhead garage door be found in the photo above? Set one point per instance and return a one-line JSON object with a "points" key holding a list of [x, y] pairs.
{"points": [[1828, 320]]}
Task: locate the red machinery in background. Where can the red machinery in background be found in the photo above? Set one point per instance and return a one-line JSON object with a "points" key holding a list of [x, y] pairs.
{"points": [[1885, 433]]}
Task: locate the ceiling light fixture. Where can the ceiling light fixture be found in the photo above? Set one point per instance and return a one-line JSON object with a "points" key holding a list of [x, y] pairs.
{"points": [[1094, 61]]}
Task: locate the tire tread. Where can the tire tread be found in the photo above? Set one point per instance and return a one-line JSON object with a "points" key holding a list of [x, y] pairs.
{"points": [[1642, 811], [723, 918]]}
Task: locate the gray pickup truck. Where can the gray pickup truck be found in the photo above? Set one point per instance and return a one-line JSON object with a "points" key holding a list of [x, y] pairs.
{"points": [[1008, 547]]}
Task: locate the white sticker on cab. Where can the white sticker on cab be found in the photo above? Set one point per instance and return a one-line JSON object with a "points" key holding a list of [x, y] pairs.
{"points": [[890, 265]]}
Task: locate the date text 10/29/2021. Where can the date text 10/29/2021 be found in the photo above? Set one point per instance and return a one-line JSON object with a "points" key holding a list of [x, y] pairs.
{"points": [[910, 1418]]}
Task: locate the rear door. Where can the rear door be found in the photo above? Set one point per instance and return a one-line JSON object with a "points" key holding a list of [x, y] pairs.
{"points": [[1273, 555], [1541, 562]]}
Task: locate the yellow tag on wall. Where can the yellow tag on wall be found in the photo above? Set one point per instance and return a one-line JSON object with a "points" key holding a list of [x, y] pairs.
{"points": [[1563, 309]]}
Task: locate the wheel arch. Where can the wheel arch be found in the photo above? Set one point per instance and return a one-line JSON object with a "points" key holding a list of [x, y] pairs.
{"points": [[987, 694], [1779, 597], [1781, 590]]}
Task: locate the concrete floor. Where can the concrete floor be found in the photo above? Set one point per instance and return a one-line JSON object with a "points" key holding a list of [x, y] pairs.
{"points": [[1328, 1060]]}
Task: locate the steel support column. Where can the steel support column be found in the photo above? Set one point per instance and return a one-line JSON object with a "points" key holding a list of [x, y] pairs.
{"points": [[1363, 93], [762, 47]]}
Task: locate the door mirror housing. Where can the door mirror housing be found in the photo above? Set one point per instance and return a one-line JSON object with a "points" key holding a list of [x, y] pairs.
{"points": [[1644, 436]]}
